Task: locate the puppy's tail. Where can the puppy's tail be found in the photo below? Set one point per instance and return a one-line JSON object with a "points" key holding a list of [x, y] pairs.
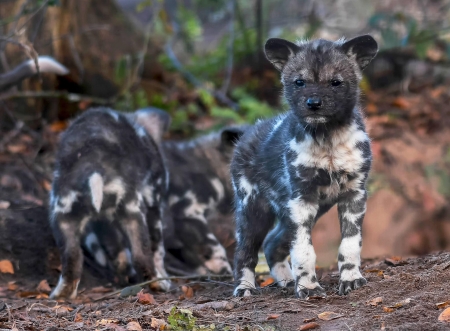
{"points": [[96, 189]]}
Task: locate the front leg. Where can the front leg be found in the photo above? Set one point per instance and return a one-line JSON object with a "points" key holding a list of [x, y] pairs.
{"points": [[351, 209], [303, 258]]}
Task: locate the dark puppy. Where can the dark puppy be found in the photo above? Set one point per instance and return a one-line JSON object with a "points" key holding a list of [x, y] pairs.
{"points": [[109, 168], [296, 166], [199, 187]]}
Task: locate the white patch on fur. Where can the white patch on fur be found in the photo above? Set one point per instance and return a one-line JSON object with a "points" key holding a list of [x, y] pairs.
{"points": [[134, 206], [218, 187], [281, 272], [64, 204], [247, 188], [147, 192], [158, 260], [247, 281], [303, 255], [351, 251], [218, 260], [338, 155], [62, 284], [141, 132], [195, 208], [96, 188], [117, 187], [353, 217], [301, 211], [99, 254]]}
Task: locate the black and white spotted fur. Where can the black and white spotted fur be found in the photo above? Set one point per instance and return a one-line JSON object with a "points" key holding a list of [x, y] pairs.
{"points": [[296, 166], [199, 187], [109, 168]]}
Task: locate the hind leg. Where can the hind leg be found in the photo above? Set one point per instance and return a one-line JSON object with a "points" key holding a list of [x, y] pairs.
{"points": [[253, 221], [155, 229], [276, 250], [67, 235], [132, 221]]}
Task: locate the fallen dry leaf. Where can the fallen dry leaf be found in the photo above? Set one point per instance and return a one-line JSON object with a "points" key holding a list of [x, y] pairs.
{"points": [[158, 323], [402, 103], [273, 316], [134, 326], [328, 316], [43, 287], [78, 318], [390, 309], [146, 298], [307, 320], [42, 296], [188, 291], [6, 267], [383, 326], [309, 326], [375, 301], [444, 304], [267, 282], [377, 271], [12, 286], [101, 289], [106, 321], [395, 261], [445, 316]]}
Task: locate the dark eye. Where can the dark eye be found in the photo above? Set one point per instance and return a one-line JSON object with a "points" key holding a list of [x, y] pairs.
{"points": [[336, 82], [300, 82]]}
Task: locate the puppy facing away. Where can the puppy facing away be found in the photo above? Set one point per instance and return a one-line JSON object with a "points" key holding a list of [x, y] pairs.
{"points": [[199, 194], [296, 166], [200, 187], [109, 168]]}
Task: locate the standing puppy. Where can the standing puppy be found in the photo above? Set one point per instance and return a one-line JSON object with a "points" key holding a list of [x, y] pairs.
{"points": [[109, 168], [296, 166]]}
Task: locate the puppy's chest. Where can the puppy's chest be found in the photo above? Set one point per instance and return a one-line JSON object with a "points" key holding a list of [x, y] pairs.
{"points": [[331, 166]]}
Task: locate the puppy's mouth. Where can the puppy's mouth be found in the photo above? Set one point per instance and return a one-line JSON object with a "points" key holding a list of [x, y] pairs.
{"points": [[315, 119]]}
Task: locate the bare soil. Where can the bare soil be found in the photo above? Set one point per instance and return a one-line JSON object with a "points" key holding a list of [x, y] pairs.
{"points": [[421, 281]]}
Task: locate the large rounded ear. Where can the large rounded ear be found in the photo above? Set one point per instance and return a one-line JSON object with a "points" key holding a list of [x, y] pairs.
{"points": [[231, 135], [278, 51], [155, 121], [363, 48]]}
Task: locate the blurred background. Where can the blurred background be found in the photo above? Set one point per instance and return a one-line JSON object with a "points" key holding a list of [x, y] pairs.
{"points": [[203, 62]]}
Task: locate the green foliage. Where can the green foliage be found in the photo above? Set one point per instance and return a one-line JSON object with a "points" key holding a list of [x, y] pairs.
{"points": [[184, 320]]}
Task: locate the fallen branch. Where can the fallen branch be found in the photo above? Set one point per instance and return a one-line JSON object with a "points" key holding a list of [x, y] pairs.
{"points": [[134, 289], [72, 97]]}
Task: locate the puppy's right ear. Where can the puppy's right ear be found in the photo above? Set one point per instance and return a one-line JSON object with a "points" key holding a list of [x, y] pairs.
{"points": [[278, 51]]}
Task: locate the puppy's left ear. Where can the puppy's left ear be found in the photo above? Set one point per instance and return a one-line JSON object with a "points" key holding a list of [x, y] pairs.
{"points": [[231, 135], [155, 121], [363, 48]]}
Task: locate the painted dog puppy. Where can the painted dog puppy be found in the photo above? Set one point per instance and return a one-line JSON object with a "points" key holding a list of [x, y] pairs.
{"points": [[109, 168], [199, 194], [199, 188], [296, 166]]}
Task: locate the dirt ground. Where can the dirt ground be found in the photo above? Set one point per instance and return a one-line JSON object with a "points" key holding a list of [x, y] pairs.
{"points": [[400, 295]]}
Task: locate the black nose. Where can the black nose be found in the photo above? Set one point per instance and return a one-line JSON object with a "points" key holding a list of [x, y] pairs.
{"points": [[314, 103]]}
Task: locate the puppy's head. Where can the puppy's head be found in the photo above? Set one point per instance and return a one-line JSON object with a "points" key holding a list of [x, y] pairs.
{"points": [[321, 77]]}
